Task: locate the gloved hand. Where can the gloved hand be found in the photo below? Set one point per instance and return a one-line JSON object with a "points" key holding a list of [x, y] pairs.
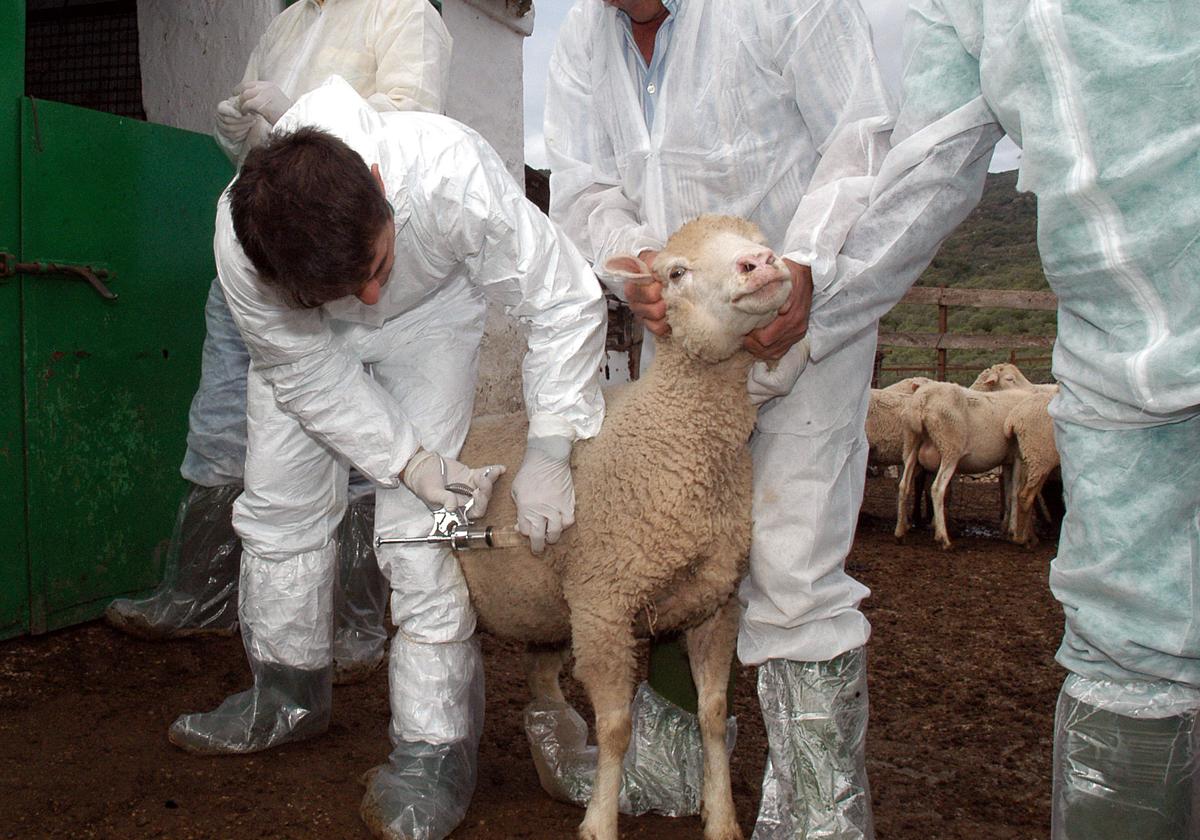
{"points": [[765, 384], [427, 474], [544, 491], [265, 98], [231, 122]]}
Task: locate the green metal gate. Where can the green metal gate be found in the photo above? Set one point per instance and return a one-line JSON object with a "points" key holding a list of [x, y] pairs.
{"points": [[93, 391]]}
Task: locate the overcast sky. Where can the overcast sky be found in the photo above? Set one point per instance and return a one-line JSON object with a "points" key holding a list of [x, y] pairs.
{"points": [[886, 17]]}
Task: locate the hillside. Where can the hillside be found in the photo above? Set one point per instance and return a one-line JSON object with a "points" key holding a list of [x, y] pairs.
{"points": [[995, 248]]}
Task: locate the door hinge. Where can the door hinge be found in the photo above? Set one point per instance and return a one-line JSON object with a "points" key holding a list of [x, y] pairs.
{"points": [[95, 277]]}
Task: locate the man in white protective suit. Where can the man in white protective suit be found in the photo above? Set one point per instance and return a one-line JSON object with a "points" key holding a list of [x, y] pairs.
{"points": [[396, 55], [1104, 100], [658, 111], [356, 251]]}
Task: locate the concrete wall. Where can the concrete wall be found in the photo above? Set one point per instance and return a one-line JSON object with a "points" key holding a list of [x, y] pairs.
{"points": [[194, 53]]}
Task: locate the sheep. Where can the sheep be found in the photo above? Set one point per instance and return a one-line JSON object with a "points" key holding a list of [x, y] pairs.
{"points": [[662, 523], [1030, 425], [1002, 377], [885, 433], [1007, 376], [951, 428]]}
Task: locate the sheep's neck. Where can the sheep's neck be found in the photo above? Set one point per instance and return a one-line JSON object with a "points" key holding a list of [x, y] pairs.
{"points": [[718, 390]]}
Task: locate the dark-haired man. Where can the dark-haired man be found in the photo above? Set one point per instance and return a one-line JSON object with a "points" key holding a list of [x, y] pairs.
{"points": [[356, 250]]}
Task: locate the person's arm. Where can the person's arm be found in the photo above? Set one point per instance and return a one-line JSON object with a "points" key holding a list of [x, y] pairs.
{"points": [[930, 181], [412, 52], [236, 131], [325, 389], [518, 258], [826, 59], [586, 198]]}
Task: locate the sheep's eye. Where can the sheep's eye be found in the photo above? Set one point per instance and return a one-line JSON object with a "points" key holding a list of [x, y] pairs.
{"points": [[676, 273]]}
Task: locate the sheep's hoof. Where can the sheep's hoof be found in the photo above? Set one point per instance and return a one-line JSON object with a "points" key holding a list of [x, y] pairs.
{"points": [[588, 831], [726, 833]]}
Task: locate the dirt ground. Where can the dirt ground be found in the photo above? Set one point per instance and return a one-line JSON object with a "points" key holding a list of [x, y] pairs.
{"points": [[962, 690]]}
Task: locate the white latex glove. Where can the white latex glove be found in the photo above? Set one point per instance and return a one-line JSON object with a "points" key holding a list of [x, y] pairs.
{"points": [[265, 98], [427, 474], [544, 491], [231, 122], [764, 384]]}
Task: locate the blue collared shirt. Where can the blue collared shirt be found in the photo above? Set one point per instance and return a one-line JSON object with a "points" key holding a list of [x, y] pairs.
{"points": [[648, 78]]}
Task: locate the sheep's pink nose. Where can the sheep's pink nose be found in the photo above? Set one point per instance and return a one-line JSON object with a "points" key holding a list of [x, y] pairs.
{"points": [[752, 262]]}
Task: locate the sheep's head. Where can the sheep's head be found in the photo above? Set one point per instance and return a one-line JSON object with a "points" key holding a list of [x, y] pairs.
{"points": [[720, 281], [1001, 377]]}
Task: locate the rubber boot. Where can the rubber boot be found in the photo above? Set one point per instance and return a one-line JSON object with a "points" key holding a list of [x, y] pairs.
{"points": [[198, 595], [285, 704], [360, 598]]}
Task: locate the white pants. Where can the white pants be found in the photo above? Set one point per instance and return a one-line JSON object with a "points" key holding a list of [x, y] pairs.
{"points": [[295, 495], [810, 460]]}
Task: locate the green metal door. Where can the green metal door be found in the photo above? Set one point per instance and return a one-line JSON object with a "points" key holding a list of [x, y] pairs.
{"points": [[108, 382], [104, 385], [14, 567]]}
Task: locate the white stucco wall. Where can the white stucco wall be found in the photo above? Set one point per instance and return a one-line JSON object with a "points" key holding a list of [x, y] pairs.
{"points": [[194, 53]]}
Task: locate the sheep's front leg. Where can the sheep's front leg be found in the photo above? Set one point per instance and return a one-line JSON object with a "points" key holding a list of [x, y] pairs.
{"points": [[604, 663], [710, 651]]}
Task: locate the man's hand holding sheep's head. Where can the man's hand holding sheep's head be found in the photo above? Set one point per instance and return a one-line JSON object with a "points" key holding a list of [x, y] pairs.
{"points": [[769, 343]]}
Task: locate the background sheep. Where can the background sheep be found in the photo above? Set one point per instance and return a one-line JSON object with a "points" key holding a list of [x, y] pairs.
{"points": [[662, 524], [1003, 377], [885, 435], [1029, 424], [950, 428]]}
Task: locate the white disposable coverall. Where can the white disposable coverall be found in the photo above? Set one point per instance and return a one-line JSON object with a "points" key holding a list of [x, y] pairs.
{"points": [[463, 230], [395, 53], [775, 111], [1104, 99]]}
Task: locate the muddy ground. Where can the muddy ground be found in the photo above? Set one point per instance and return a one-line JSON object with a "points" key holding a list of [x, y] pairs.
{"points": [[962, 689]]}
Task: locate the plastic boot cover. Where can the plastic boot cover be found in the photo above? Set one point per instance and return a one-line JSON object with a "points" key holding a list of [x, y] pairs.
{"points": [[198, 595], [815, 781], [360, 597], [1126, 761], [423, 791], [286, 704], [663, 767]]}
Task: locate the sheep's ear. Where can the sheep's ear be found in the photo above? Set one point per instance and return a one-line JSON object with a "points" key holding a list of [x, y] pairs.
{"points": [[629, 267], [991, 378]]}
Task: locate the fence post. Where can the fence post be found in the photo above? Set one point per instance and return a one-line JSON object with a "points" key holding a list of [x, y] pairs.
{"points": [[943, 324]]}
